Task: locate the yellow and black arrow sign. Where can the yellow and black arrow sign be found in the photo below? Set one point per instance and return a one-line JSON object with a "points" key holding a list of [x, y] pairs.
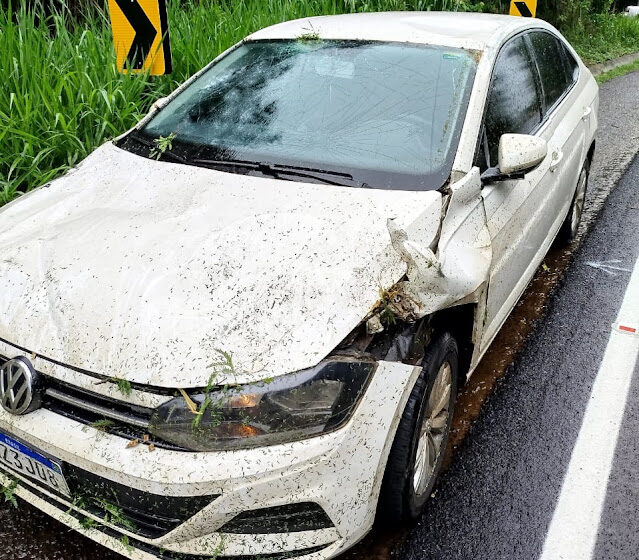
{"points": [[525, 8], [141, 35]]}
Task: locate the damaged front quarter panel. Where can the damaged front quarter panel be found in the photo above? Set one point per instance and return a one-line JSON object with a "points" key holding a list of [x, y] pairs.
{"points": [[454, 266]]}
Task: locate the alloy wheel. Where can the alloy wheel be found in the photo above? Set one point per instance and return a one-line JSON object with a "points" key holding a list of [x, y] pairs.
{"points": [[578, 205], [433, 430]]}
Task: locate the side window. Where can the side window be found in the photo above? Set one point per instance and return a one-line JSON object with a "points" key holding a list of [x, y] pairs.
{"points": [[513, 100], [553, 63], [571, 63]]}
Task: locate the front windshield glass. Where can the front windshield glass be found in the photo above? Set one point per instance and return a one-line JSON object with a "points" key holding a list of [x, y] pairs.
{"points": [[388, 114]]}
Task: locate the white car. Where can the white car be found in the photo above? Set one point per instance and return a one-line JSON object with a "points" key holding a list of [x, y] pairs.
{"points": [[238, 330]]}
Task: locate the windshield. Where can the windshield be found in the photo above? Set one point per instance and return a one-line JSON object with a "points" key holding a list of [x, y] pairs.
{"points": [[388, 115]]}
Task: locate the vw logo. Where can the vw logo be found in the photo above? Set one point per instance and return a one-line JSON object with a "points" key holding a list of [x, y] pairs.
{"points": [[19, 386]]}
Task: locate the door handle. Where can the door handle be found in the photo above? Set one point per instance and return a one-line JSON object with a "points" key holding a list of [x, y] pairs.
{"points": [[557, 156], [586, 114]]}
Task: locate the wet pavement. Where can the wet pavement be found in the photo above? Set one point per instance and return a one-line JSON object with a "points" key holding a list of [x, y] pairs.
{"points": [[507, 456]]}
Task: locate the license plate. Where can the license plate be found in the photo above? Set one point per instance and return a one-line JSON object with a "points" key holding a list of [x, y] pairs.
{"points": [[31, 464]]}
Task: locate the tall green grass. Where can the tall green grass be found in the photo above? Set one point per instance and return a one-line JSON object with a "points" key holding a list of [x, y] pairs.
{"points": [[62, 95], [599, 37]]}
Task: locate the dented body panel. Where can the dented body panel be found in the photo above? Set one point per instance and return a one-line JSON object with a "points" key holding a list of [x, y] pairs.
{"points": [[258, 267], [461, 262]]}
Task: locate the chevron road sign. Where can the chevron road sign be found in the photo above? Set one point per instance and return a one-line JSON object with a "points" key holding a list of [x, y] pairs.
{"points": [[141, 35], [524, 8]]}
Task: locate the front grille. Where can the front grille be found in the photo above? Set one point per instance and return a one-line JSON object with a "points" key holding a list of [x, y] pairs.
{"points": [[86, 404], [148, 515], [142, 513], [290, 518], [168, 555], [122, 419], [110, 415]]}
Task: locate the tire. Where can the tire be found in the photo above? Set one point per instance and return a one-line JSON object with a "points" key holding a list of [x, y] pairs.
{"points": [[403, 496], [569, 229]]}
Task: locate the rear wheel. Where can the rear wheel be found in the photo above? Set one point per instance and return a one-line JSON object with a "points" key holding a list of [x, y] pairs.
{"points": [[418, 449], [569, 229]]}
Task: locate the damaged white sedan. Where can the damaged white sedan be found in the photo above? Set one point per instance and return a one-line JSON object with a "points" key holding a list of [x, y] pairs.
{"points": [[238, 330]]}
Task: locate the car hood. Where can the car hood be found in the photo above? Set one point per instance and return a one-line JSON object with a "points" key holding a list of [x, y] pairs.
{"points": [[146, 270]]}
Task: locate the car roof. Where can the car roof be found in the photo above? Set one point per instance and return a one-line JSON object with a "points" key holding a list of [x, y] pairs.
{"points": [[453, 29]]}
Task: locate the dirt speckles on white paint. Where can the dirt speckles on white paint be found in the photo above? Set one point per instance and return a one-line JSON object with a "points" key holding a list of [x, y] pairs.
{"points": [[143, 274]]}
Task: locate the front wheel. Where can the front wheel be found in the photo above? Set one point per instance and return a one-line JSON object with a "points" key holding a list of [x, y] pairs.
{"points": [[418, 449], [568, 232]]}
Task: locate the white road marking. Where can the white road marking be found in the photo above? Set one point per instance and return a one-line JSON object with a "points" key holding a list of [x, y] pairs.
{"points": [[572, 534], [608, 266]]}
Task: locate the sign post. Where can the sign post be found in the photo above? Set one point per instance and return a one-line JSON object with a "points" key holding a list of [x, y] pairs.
{"points": [[524, 8], [141, 35]]}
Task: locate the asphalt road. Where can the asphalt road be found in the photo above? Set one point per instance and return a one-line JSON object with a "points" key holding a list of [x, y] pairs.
{"points": [[517, 421]]}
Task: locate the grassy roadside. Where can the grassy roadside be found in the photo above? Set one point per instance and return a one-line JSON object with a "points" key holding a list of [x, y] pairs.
{"points": [[618, 72], [603, 37], [62, 95]]}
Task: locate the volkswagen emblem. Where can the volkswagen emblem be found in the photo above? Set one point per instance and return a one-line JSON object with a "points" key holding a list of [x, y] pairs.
{"points": [[19, 386]]}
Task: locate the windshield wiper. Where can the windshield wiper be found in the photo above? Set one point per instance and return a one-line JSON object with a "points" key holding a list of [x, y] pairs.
{"points": [[271, 169], [276, 169]]}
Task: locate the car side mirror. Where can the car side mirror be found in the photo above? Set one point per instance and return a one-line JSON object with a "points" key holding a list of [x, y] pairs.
{"points": [[518, 153]]}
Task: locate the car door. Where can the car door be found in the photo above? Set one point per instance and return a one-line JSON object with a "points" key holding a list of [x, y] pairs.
{"points": [[565, 124], [523, 215], [513, 105]]}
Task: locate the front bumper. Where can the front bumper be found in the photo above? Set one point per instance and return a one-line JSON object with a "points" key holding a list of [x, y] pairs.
{"points": [[341, 472]]}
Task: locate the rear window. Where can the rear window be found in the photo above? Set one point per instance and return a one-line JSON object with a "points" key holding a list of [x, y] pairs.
{"points": [[389, 114]]}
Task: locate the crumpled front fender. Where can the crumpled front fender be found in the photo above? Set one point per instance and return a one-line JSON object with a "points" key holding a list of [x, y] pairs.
{"points": [[457, 262]]}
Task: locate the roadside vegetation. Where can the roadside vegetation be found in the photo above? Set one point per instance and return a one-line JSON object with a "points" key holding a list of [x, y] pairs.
{"points": [[617, 72], [8, 493], [600, 37], [62, 95]]}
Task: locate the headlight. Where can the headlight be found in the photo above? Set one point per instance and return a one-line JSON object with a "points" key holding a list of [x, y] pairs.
{"points": [[288, 408]]}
